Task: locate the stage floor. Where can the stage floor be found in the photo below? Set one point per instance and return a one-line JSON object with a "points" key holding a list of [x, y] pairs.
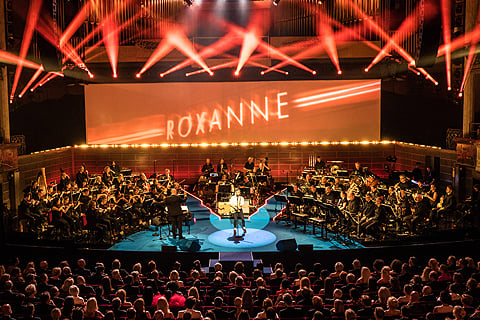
{"points": [[216, 235]]}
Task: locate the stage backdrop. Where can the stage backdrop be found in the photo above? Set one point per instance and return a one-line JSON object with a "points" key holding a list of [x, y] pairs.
{"points": [[216, 112]]}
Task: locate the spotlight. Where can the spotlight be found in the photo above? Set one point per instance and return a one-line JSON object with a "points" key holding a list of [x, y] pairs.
{"points": [[449, 88], [237, 73], [161, 75], [138, 75], [211, 74], [262, 72], [275, 2], [436, 83], [90, 75], [460, 94], [314, 72], [366, 70], [115, 76], [286, 73], [339, 72], [188, 3], [20, 96]]}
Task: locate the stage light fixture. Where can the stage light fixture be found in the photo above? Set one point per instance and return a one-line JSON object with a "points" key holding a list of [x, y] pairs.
{"points": [[460, 94], [449, 88], [115, 76], [339, 72], [188, 3], [138, 75], [275, 2], [262, 72], [314, 72], [161, 75], [237, 73], [366, 70]]}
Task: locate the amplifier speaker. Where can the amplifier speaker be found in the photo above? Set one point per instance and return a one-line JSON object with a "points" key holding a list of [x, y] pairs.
{"points": [[287, 245], [169, 248], [189, 245]]}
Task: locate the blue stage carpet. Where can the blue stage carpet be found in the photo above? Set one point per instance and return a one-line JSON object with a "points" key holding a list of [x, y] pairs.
{"points": [[216, 235]]}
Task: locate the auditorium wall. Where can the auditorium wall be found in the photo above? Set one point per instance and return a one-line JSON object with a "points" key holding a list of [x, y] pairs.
{"points": [[185, 162]]}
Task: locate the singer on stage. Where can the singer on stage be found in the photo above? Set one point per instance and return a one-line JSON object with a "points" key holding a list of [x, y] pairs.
{"points": [[236, 204]]}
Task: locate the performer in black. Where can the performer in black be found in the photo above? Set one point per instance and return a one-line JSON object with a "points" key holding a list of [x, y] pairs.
{"points": [[249, 165], [115, 168], [207, 168], [222, 167], [175, 213], [82, 175], [320, 164], [236, 204]]}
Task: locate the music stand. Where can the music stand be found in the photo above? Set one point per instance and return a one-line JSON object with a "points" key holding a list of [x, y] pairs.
{"points": [[309, 201], [295, 200]]}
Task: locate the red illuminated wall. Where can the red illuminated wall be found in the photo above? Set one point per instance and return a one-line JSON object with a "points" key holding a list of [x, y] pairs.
{"points": [[233, 112]]}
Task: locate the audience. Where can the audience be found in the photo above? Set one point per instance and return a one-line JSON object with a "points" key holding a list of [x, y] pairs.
{"points": [[434, 291]]}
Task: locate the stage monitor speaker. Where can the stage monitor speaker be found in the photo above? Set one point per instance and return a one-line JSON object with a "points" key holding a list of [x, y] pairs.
{"points": [[189, 245], [169, 248], [305, 248], [287, 245], [429, 38]]}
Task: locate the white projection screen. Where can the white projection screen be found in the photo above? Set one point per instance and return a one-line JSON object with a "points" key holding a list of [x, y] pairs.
{"points": [[217, 112]]}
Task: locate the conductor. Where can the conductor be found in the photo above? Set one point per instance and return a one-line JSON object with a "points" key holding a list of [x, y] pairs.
{"points": [[236, 204], [175, 213]]}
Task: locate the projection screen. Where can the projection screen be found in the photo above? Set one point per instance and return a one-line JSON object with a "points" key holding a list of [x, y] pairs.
{"points": [[217, 112]]}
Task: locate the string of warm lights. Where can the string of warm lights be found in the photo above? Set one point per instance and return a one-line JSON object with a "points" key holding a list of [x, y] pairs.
{"points": [[237, 144]]}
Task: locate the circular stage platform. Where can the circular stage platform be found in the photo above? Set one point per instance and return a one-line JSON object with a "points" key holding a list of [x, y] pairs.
{"points": [[253, 238]]}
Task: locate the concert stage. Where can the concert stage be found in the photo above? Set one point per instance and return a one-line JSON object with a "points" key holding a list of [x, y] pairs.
{"points": [[216, 235]]}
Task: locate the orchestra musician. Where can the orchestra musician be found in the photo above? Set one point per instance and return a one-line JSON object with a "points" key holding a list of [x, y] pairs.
{"points": [[404, 183], [261, 170], [329, 196], [64, 181], [367, 213], [420, 211], [26, 212], [107, 177], [143, 182], [447, 204], [357, 170], [379, 217], [175, 214], [207, 168], [312, 192], [82, 176], [249, 165], [237, 202], [167, 176], [319, 164], [432, 196], [115, 168], [222, 167]]}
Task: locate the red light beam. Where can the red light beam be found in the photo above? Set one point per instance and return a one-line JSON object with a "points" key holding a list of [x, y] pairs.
{"points": [[110, 37], [32, 17], [75, 24], [470, 57], [177, 38], [31, 81], [446, 21]]}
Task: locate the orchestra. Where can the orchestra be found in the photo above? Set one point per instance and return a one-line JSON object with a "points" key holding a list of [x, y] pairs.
{"points": [[114, 203]]}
